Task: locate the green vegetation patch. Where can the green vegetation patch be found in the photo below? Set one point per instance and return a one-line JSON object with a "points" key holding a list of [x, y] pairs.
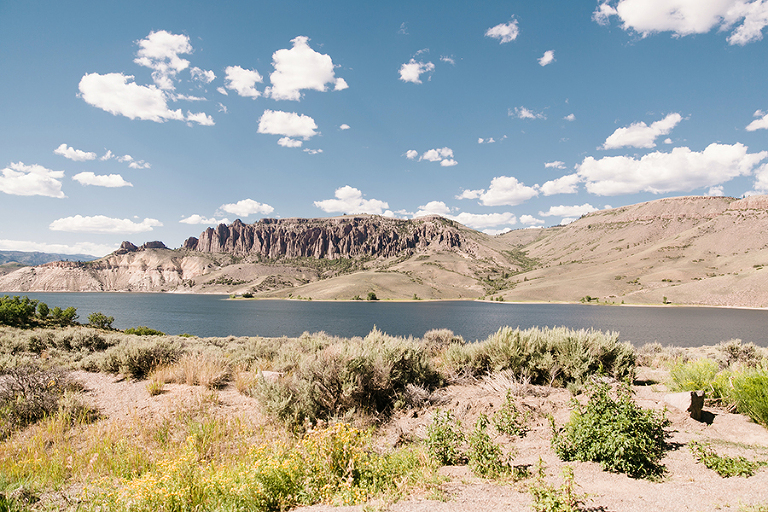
{"points": [[723, 465]]}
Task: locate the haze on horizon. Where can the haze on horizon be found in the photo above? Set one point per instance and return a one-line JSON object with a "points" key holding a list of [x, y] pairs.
{"points": [[150, 121]]}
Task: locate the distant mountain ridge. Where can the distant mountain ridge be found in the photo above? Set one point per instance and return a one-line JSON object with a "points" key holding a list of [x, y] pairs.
{"points": [[38, 258], [682, 250]]}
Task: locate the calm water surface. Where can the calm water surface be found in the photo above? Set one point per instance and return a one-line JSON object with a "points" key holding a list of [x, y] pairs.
{"points": [[214, 315]]}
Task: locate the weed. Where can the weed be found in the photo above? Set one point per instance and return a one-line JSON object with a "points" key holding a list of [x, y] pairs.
{"points": [[693, 375], [723, 465], [617, 433], [444, 439], [197, 369], [28, 393], [155, 386], [485, 457], [508, 420], [548, 498]]}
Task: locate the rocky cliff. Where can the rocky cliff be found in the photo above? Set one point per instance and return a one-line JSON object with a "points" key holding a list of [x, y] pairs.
{"points": [[341, 237]]}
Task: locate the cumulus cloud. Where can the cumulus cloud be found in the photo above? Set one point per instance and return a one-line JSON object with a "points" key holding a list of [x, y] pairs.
{"points": [[74, 154], [448, 162], [102, 224], [449, 60], [288, 142], [504, 190], [199, 219], [504, 32], [78, 248], [557, 164], [489, 140], [568, 184], [344, 127], [570, 117], [160, 52], [242, 81], [200, 118], [761, 180], [411, 154], [433, 208], [289, 124], [31, 180], [202, 75], [715, 191], [547, 58], [761, 123], [312, 151], [530, 220], [524, 113], [247, 207], [412, 70], [108, 180], [680, 170], [301, 68], [473, 220], [569, 211], [350, 200], [436, 155], [744, 18], [640, 135]]}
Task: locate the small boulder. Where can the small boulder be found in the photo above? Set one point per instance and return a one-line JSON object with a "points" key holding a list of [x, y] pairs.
{"points": [[689, 401]]}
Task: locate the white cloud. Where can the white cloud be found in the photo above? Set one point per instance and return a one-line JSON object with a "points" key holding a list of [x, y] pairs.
{"points": [[288, 142], [761, 180], [504, 190], [411, 154], [350, 200], [102, 224], [640, 135], [530, 220], [199, 219], [485, 220], [435, 155], [186, 97], [247, 207], [547, 58], [78, 248], [202, 75], [448, 162], [470, 194], [222, 108], [119, 95], [715, 191], [108, 180], [160, 51], [200, 118], [570, 117], [568, 184], [489, 140], [557, 164], [680, 170], [301, 68], [344, 127], [141, 164], [125, 158], [31, 180], [433, 208], [504, 32], [107, 156], [312, 151], [667, 141], [290, 124], [524, 113], [74, 154], [758, 124], [449, 60], [567, 220], [222, 90], [686, 17], [569, 211], [242, 81], [412, 70]]}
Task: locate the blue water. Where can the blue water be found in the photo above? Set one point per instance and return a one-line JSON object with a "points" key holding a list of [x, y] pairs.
{"points": [[214, 315]]}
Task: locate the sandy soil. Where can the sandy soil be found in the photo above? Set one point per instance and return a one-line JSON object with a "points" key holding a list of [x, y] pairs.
{"points": [[688, 485]]}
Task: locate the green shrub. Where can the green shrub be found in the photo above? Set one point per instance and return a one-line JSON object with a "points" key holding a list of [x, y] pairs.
{"points": [[485, 457], [749, 393], [722, 465], [444, 439], [28, 393], [508, 420], [693, 375], [143, 330], [17, 311], [545, 356], [137, 358], [734, 351], [100, 320], [617, 433], [372, 296]]}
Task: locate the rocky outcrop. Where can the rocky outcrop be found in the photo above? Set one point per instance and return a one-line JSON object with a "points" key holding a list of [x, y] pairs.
{"points": [[341, 237]]}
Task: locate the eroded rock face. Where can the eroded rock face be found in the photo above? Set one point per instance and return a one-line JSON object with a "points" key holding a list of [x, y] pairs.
{"points": [[342, 237]]}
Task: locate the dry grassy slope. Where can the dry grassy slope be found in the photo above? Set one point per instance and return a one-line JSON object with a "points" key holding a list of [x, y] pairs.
{"points": [[692, 250]]}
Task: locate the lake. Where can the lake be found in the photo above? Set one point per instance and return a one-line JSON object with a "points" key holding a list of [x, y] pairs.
{"points": [[214, 315]]}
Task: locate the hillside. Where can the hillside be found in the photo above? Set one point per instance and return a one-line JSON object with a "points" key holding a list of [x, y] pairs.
{"points": [[689, 250]]}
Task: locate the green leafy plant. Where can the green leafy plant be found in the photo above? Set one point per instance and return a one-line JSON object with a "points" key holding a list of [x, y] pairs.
{"points": [[615, 432], [372, 296], [444, 439], [509, 420], [100, 320], [548, 498], [143, 330], [723, 465], [485, 457]]}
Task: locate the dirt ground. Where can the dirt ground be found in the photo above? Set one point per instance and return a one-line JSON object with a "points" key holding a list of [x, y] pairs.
{"points": [[687, 485]]}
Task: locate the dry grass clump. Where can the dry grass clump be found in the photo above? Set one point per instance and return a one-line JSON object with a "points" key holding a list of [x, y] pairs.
{"points": [[197, 369], [437, 340]]}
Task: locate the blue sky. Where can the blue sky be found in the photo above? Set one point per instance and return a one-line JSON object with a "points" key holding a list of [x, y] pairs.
{"points": [[153, 120]]}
